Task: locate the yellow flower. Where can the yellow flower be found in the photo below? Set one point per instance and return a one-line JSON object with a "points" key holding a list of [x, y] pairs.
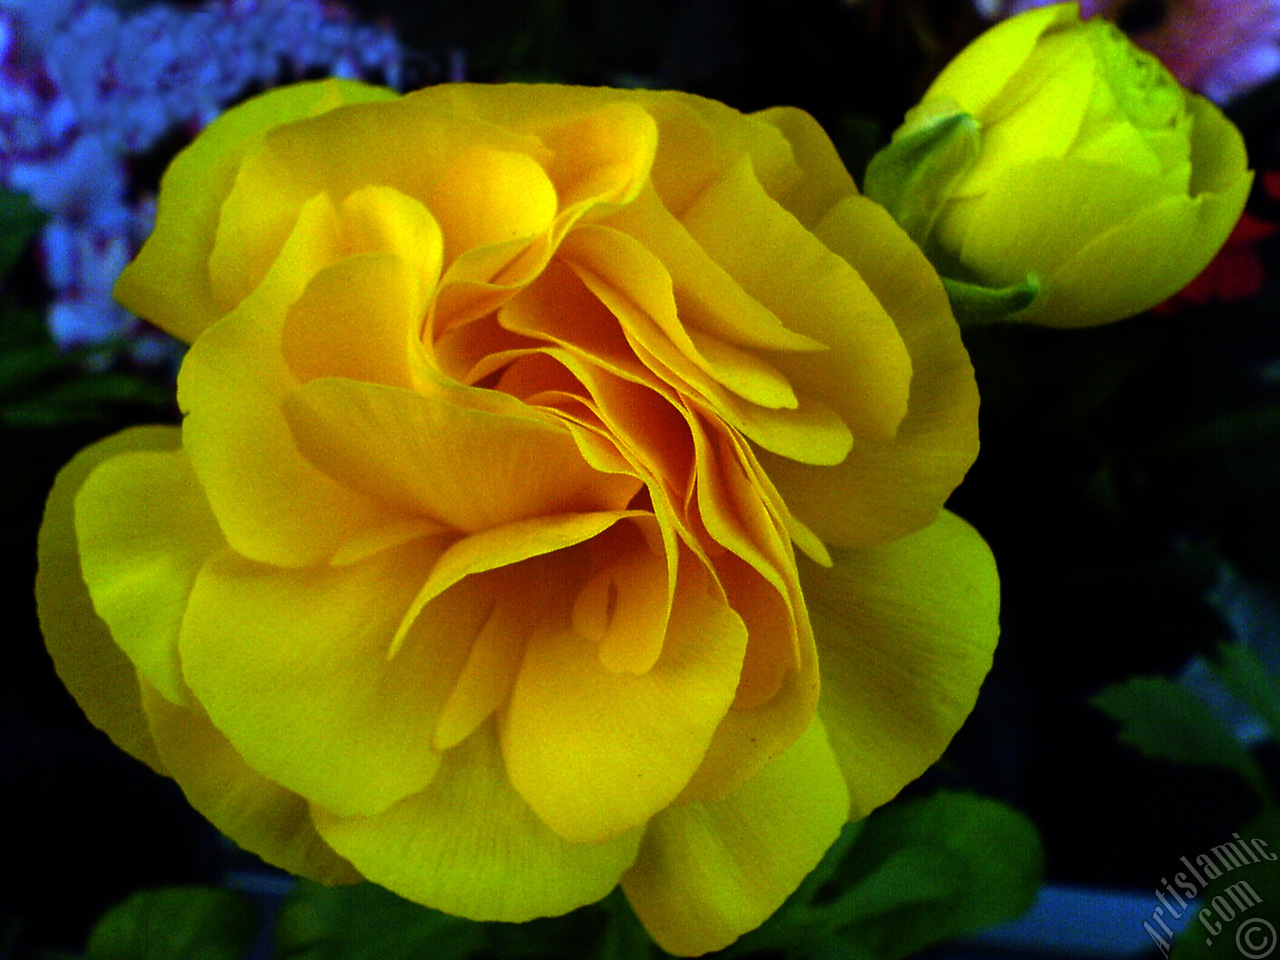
{"points": [[1095, 173], [473, 569]]}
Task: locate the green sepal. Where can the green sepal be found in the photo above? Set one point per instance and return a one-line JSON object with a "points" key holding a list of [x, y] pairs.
{"points": [[976, 305], [917, 172]]}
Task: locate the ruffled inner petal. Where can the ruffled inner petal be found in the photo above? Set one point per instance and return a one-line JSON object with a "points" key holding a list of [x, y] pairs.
{"points": [[625, 604], [501, 547], [634, 283], [491, 197], [889, 486], [470, 470], [865, 374], [600, 159], [707, 297], [518, 599], [360, 319]]}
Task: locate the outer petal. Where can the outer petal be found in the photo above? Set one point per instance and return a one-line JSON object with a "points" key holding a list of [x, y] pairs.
{"points": [[1058, 83], [1096, 264], [709, 872], [1218, 157], [1001, 236], [145, 529], [469, 845], [826, 179], [905, 636], [700, 138], [865, 373], [978, 77], [94, 669], [887, 487], [272, 504], [596, 753], [168, 283], [1098, 283], [256, 813], [292, 666], [418, 145]]}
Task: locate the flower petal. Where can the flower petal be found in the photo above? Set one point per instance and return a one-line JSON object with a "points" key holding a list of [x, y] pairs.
{"points": [[471, 470], [625, 604], [1002, 237], [753, 736], [888, 487], [1057, 82], [635, 284], [259, 815], [359, 318], [595, 752], [1098, 283], [469, 845], [95, 671], [169, 281], [865, 374], [707, 298], [505, 546], [272, 504], [292, 666], [826, 180], [518, 600], [905, 635], [145, 529], [491, 197], [997, 55], [710, 871]]}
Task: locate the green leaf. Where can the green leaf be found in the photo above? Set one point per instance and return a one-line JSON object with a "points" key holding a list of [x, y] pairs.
{"points": [[85, 398], [20, 219], [976, 305], [912, 874], [937, 868], [916, 173], [1233, 916], [22, 367], [175, 923], [366, 922], [1244, 675], [1164, 719], [624, 937]]}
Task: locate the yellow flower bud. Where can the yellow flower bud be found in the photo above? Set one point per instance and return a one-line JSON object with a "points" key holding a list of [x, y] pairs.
{"points": [[1096, 175]]}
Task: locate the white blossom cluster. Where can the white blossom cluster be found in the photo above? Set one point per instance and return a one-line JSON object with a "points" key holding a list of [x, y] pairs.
{"points": [[85, 88]]}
